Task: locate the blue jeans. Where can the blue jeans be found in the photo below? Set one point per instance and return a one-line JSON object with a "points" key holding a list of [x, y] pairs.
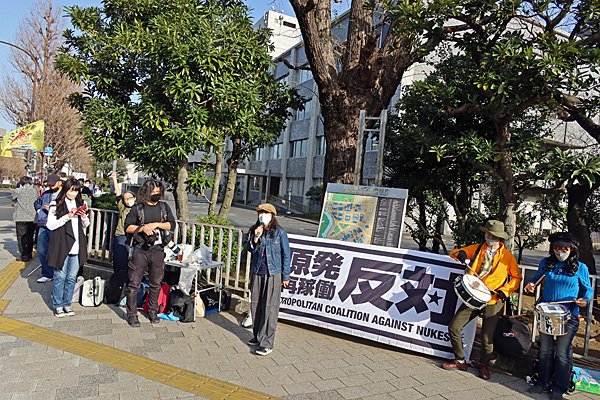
{"points": [[120, 253], [42, 250], [556, 360], [64, 282]]}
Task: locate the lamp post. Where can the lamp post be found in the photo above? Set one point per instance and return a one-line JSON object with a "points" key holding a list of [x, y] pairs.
{"points": [[35, 80]]}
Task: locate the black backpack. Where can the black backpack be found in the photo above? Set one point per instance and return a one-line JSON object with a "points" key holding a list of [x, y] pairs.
{"points": [[181, 305], [512, 337], [116, 287]]}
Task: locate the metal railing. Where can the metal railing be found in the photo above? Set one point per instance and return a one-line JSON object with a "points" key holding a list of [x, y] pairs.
{"points": [[226, 243], [294, 205]]}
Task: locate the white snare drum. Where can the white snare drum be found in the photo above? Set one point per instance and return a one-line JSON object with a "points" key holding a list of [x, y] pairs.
{"points": [[552, 318], [472, 291]]}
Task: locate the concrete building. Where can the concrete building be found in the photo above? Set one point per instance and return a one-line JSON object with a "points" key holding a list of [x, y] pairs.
{"points": [[295, 163]]}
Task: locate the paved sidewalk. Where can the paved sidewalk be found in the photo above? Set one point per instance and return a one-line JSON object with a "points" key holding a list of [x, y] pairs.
{"points": [[306, 363]]}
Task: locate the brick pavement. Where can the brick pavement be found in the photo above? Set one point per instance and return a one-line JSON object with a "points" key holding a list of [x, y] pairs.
{"points": [[306, 363]]}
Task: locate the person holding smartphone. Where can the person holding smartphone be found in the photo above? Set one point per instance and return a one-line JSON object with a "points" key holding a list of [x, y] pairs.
{"points": [[68, 244]]}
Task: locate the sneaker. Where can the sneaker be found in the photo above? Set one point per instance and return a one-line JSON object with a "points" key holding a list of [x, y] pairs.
{"points": [[59, 312], [454, 364], [253, 342], [153, 317], [484, 372], [263, 351], [133, 321], [43, 279], [68, 311]]}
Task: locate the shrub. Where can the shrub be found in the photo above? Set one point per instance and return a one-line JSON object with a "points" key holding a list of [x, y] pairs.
{"points": [[214, 219]]}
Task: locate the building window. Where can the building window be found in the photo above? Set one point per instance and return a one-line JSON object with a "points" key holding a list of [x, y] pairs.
{"points": [[372, 143], [255, 183], [275, 152], [303, 114], [298, 148], [289, 24], [257, 155], [296, 185], [321, 146], [304, 75]]}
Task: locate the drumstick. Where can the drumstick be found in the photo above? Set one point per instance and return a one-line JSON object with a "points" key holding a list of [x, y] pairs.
{"points": [[569, 301], [539, 280]]}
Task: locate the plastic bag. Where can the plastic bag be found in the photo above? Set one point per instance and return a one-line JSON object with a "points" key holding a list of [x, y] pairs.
{"points": [[200, 257], [187, 273]]}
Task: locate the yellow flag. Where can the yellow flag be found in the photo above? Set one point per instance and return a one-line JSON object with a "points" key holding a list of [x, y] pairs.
{"points": [[28, 137]]}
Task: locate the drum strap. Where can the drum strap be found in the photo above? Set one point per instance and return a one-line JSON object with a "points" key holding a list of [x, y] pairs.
{"points": [[474, 257]]}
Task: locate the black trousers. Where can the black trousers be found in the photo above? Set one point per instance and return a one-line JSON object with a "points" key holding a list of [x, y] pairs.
{"points": [[25, 232], [154, 262]]}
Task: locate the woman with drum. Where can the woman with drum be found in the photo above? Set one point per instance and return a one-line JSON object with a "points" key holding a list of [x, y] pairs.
{"points": [[491, 264], [567, 280]]}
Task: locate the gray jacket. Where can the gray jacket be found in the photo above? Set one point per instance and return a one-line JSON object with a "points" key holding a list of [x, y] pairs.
{"points": [[24, 197]]}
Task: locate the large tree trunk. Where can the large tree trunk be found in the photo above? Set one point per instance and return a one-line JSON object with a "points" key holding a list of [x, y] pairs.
{"points": [[368, 77], [505, 178], [214, 196], [577, 197], [232, 165], [341, 133], [180, 193]]}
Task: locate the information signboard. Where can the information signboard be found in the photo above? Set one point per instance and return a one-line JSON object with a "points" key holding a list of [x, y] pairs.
{"points": [[363, 214]]}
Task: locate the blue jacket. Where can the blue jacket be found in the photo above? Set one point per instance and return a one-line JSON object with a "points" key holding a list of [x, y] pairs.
{"points": [[45, 198], [559, 286], [277, 249]]}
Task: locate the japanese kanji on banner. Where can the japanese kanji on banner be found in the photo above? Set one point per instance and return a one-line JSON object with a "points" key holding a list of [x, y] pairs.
{"points": [[400, 297], [28, 137]]}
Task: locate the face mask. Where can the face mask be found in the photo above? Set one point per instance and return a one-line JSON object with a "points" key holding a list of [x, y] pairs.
{"points": [[264, 219], [86, 185], [562, 256], [154, 198], [71, 195], [130, 203], [491, 242]]}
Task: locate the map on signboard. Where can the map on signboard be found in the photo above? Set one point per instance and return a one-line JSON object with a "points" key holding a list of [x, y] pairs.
{"points": [[348, 217], [363, 214]]}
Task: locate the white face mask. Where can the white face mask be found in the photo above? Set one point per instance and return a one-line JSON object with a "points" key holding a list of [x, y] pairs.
{"points": [[562, 256], [129, 203], [264, 219], [491, 242], [71, 195]]}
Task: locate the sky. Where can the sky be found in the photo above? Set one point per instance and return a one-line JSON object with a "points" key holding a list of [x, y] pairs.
{"points": [[13, 11]]}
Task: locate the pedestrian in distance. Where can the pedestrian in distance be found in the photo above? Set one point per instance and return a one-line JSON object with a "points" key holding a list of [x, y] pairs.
{"points": [[268, 243], [120, 248], [24, 197], [498, 270], [68, 244], [145, 224], [86, 189], [566, 280], [42, 205]]}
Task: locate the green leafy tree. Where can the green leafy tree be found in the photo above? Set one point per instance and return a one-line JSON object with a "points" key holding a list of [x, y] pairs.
{"points": [[103, 170], [164, 79], [520, 60], [581, 175]]}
